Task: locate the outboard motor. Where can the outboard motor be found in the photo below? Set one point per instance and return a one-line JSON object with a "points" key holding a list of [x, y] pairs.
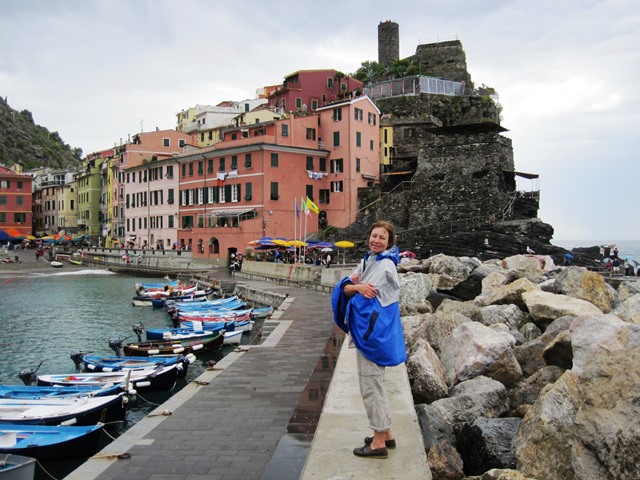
{"points": [[139, 329], [115, 344], [28, 377], [77, 359]]}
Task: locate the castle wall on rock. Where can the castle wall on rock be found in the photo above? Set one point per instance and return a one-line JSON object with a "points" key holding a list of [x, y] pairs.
{"points": [[461, 181], [443, 60]]}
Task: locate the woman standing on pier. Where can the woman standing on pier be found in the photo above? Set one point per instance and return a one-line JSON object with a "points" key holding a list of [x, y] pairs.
{"points": [[365, 305]]}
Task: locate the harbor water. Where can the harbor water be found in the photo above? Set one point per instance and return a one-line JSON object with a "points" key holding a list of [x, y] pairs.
{"points": [[48, 316]]}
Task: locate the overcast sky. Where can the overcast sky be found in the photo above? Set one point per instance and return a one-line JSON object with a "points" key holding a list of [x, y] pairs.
{"points": [[565, 71]]}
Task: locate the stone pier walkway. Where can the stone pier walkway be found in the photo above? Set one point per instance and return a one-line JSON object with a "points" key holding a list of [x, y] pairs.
{"points": [[245, 418]]}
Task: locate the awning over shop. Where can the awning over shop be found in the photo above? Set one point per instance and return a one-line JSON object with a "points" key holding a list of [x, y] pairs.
{"points": [[228, 212]]}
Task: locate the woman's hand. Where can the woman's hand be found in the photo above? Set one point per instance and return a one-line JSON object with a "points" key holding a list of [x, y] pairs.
{"points": [[367, 290]]}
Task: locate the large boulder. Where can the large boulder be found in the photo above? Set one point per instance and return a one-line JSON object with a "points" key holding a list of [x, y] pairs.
{"points": [[487, 443], [587, 424], [545, 307], [478, 397], [468, 309], [426, 374], [414, 288], [530, 356], [526, 265], [510, 293], [627, 289], [595, 335], [578, 282], [473, 349], [510, 315], [450, 267], [629, 310], [439, 326]]}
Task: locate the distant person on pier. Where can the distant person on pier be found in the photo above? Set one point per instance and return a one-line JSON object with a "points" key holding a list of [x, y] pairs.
{"points": [[365, 305]]}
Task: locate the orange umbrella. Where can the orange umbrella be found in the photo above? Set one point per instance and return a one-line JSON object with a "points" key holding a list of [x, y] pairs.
{"points": [[14, 232]]}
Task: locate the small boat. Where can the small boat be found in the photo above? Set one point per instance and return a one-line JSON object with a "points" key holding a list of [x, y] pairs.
{"points": [[261, 313], [162, 377], [17, 467], [38, 391], [243, 325], [141, 287], [232, 338], [215, 314], [44, 442], [115, 363], [197, 343], [197, 296], [56, 264], [174, 333], [76, 261], [110, 409], [218, 302]]}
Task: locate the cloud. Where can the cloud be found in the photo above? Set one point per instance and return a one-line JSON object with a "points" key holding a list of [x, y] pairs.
{"points": [[565, 72]]}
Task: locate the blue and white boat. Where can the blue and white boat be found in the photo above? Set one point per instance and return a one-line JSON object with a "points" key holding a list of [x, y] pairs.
{"points": [[50, 442], [110, 409], [115, 363], [162, 377], [171, 333], [37, 391]]}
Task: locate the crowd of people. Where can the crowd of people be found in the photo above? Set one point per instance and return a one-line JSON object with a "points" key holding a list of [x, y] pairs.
{"points": [[609, 256]]}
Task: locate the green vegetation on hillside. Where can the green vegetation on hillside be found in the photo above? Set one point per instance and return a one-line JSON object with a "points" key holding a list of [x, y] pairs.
{"points": [[31, 146]]}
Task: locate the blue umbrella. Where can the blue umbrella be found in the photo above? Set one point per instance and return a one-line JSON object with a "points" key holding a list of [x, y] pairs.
{"points": [[568, 255]]}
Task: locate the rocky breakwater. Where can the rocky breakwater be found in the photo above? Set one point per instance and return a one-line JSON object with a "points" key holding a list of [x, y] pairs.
{"points": [[523, 370]]}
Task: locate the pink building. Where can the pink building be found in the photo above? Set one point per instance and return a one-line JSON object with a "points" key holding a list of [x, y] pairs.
{"points": [[310, 89], [246, 187], [144, 150], [15, 202], [150, 203]]}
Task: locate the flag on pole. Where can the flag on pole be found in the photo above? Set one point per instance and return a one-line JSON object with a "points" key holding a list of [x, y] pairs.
{"points": [[312, 206], [305, 208], [297, 211]]}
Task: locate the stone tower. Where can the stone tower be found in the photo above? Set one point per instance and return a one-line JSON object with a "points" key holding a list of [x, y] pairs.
{"points": [[388, 43]]}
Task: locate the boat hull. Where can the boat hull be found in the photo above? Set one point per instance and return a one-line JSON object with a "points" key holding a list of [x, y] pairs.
{"points": [[211, 341], [80, 411], [50, 442], [18, 467], [113, 363], [145, 380]]}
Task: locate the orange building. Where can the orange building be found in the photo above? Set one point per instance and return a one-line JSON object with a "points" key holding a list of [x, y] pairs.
{"points": [[247, 185], [15, 202]]}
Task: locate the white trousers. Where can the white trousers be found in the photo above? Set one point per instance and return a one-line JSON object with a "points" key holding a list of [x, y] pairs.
{"points": [[374, 393]]}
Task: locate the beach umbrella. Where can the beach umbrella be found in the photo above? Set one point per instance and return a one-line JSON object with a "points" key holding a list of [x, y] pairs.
{"points": [[280, 242], [326, 249], [344, 244], [31, 237], [296, 243], [14, 232], [568, 256]]}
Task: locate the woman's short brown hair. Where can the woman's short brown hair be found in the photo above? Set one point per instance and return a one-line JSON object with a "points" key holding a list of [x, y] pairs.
{"points": [[389, 227]]}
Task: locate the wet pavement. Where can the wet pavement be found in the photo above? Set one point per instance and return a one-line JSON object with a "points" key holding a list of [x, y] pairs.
{"points": [[252, 416]]}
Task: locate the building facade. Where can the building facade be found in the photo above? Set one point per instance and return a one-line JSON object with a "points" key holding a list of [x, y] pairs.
{"points": [[15, 201], [248, 186], [307, 90]]}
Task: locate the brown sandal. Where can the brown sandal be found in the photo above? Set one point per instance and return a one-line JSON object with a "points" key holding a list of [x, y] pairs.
{"points": [[367, 451]]}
